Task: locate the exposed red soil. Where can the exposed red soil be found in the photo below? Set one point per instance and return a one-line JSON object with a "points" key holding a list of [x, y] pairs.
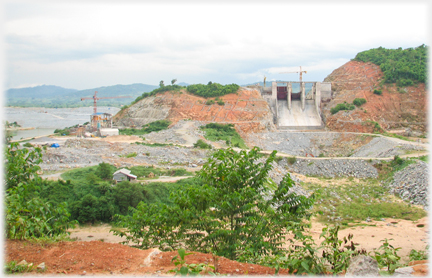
{"points": [[96, 257], [394, 109], [247, 110]]}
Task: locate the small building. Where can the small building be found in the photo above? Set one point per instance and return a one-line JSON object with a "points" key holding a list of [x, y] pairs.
{"points": [[123, 175]]}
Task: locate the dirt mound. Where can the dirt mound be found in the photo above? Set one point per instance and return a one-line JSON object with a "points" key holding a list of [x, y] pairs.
{"points": [[247, 110], [402, 109], [96, 257]]}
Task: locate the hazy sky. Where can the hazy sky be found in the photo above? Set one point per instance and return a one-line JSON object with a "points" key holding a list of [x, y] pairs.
{"points": [[84, 45]]}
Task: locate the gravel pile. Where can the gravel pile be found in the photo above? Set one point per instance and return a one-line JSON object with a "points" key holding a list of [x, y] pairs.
{"points": [[383, 147], [332, 168], [176, 134], [411, 184], [81, 153], [331, 144]]}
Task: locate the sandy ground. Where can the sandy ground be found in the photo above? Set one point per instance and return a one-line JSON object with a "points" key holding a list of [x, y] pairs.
{"points": [[405, 234]]}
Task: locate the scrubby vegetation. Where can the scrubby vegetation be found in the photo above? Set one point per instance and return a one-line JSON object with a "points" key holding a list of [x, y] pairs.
{"points": [[202, 144], [405, 67], [226, 132], [359, 102], [209, 90], [212, 89], [342, 106], [147, 128]]}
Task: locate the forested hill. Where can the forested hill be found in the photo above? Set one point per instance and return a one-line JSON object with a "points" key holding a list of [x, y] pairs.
{"points": [[405, 67], [54, 96]]}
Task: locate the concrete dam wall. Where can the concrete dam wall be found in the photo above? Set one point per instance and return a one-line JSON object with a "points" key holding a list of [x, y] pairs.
{"points": [[297, 105]]}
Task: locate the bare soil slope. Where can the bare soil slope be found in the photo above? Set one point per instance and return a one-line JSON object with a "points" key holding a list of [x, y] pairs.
{"points": [[395, 109], [246, 109]]}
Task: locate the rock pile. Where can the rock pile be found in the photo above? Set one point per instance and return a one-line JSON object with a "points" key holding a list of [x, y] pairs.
{"points": [[411, 184], [332, 168]]}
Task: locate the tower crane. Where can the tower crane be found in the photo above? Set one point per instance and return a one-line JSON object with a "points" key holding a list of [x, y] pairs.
{"points": [[95, 99], [296, 72]]}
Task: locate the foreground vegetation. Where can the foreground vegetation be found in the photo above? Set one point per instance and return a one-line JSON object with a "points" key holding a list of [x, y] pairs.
{"points": [[244, 215]]}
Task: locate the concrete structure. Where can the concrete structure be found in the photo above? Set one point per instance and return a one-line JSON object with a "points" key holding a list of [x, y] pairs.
{"points": [[108, 132], [300, 109], [123, 175]]}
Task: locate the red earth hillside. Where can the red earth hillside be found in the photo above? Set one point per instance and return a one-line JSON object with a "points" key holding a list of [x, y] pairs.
{"points": [[396, 109]]}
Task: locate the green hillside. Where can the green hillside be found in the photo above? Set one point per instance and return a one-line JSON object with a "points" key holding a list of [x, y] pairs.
{"points": [[405, 67]]}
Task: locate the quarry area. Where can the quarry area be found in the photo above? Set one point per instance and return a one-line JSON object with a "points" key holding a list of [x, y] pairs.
{"points": [[342, 150]]}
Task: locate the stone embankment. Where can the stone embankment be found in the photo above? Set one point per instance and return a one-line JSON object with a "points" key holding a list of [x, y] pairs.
{"points": [[332, 168], [333, 144], [412, 183]]}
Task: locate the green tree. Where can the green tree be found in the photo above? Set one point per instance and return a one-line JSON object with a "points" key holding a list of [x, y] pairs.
{"points": [[161, 84], [21, 165], [173, 81], [104, 171], [27, 214], [237, 208]]}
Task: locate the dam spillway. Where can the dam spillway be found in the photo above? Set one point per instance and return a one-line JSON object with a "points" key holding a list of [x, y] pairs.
{"points": [[300, 109], [296, 117]]}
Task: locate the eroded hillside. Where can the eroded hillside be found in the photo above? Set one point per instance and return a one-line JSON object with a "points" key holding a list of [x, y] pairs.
{"points": [[396, 109], [246, 109]]}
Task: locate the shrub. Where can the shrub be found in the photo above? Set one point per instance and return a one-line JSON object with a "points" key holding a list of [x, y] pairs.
{"points": [[210, 102], [291, 160], [377, 92], [342, 106], [202, 144], [359, 102]]}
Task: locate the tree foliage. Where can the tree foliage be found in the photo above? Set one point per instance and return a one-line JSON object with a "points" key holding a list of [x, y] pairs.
{"points": [[27, 214], [212, 89], [405, 67], [234, 209]]}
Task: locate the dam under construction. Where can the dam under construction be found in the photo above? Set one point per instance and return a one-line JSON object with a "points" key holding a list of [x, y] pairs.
{"points": [[297, 105]]}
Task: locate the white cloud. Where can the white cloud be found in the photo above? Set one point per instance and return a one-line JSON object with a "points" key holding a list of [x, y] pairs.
{"points": [[87, 45]]}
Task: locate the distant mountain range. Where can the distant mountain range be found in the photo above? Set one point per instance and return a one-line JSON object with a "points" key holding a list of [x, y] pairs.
{"points": [[55, 96]]}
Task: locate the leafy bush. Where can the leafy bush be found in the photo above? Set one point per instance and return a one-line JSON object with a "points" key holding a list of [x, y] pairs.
{"points": [[212, 89], [359, 102], [291, 160], [202, 144], [386, 256], [210, 102], [342, 106], [377, 92], [419, 255], [226, 214]]}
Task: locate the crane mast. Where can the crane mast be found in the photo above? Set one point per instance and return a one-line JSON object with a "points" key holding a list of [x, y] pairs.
{"points": [[95, 99], [98, 121]]}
